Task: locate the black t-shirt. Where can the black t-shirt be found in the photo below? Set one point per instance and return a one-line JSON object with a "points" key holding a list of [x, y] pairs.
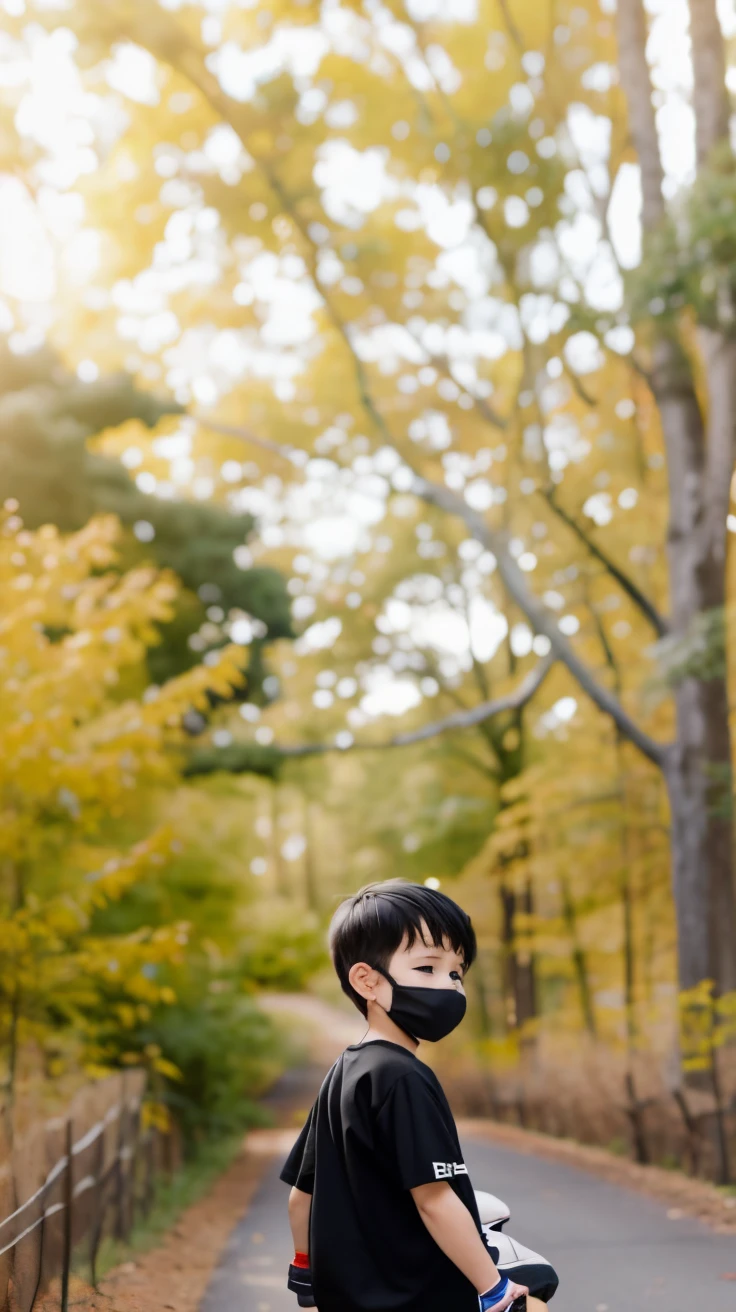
{"points": [[380, 1126]]}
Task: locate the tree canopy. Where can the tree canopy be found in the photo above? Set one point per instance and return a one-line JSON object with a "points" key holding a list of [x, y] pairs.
{"points": [[50, 467], [426, 309]]}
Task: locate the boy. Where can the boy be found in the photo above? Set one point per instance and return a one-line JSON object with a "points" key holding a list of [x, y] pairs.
{"points": [[382, 1212]]}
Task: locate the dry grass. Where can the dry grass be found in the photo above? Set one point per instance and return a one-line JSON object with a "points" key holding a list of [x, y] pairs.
{"points": [[579, 1092], [682, 1195]]}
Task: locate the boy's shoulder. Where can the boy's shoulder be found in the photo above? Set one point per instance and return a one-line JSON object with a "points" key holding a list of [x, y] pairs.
{"points": [[382, 1065]]}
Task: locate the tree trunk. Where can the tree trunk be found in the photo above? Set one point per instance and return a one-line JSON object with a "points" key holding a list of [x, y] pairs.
{"points": [[711, 103], [579, 960], [481, 993], [525, 966], [636, 81], [701, 843], [710, 96], [697, 766], [520, 974]]}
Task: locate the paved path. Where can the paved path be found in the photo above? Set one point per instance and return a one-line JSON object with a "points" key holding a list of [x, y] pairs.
{"points": [[597, 1234]]}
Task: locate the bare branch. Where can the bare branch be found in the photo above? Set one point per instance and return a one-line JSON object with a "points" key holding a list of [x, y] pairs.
{"points": [[421, 40], [600, 629], [641, 370], [541, 619], [511, 27], [479, 674], [251, 758], [485, 410], [481, 683], [244, 435], [466, 719], [475, 762], [647, 607], [579, 386]]}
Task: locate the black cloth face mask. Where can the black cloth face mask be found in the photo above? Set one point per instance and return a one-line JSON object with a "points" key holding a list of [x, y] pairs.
{"points": [[428, 1013]]}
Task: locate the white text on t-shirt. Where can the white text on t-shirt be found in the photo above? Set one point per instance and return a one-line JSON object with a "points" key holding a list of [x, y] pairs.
{"points": [[444, 1169]]}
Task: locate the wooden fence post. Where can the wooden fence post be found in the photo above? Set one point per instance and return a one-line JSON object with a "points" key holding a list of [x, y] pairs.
{"points": [[98, 1219], [691, 1130], [120, 1168], [68, 1204], [723, 1164], [150, 1160], [634, 1111], [40, 1254]]}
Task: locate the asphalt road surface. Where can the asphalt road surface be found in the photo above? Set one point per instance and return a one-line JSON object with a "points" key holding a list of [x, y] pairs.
{"points": [[614, 1250]]}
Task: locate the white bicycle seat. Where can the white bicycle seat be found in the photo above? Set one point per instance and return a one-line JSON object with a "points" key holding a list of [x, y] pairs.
{"points": [[511, 1253], [492, 1211], [513, 1259], [522, 1265]]}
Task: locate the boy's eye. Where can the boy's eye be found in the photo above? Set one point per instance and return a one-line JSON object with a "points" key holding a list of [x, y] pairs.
{"points": [[454, 974]]}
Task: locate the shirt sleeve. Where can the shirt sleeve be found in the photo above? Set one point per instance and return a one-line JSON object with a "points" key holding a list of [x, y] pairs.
{"points": [[416, 1134], [298, 1169]]}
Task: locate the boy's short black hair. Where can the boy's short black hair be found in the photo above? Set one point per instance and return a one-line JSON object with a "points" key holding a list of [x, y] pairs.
{"points": [[371, 925]]}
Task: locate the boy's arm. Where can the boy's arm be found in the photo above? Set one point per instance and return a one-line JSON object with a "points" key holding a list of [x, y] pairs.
{"points": [[300, 1271], [299, 1208], [454, 1231]]}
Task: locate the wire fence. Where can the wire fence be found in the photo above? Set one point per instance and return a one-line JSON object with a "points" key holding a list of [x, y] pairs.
{"points": [[69, 1183]]}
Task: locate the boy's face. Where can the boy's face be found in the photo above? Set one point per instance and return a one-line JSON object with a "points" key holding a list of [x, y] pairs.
{"points": [[426, 966]]}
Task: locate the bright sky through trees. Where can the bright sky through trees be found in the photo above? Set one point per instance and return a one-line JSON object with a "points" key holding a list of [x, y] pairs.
{"points": [[60, 116], [48, 247]]}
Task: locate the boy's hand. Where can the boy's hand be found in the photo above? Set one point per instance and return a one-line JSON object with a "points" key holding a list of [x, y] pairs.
{"points": [[300, 1283], [501, 1296]]}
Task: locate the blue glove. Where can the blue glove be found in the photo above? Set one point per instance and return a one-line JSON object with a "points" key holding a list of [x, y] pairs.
{"points": [[300, 1283], [494, 1296]]}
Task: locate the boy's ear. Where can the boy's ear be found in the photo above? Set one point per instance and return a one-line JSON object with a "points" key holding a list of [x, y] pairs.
{"points": [[364, 979]]}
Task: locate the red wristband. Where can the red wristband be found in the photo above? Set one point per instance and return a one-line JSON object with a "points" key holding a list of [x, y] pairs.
{"points": [[301, 1260]]}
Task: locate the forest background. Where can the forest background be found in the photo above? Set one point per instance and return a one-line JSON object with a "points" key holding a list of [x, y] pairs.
{"points": [[367, 418]]}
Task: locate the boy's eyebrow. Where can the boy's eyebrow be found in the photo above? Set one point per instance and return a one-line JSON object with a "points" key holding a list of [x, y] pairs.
{"points": [[435, 952]]}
